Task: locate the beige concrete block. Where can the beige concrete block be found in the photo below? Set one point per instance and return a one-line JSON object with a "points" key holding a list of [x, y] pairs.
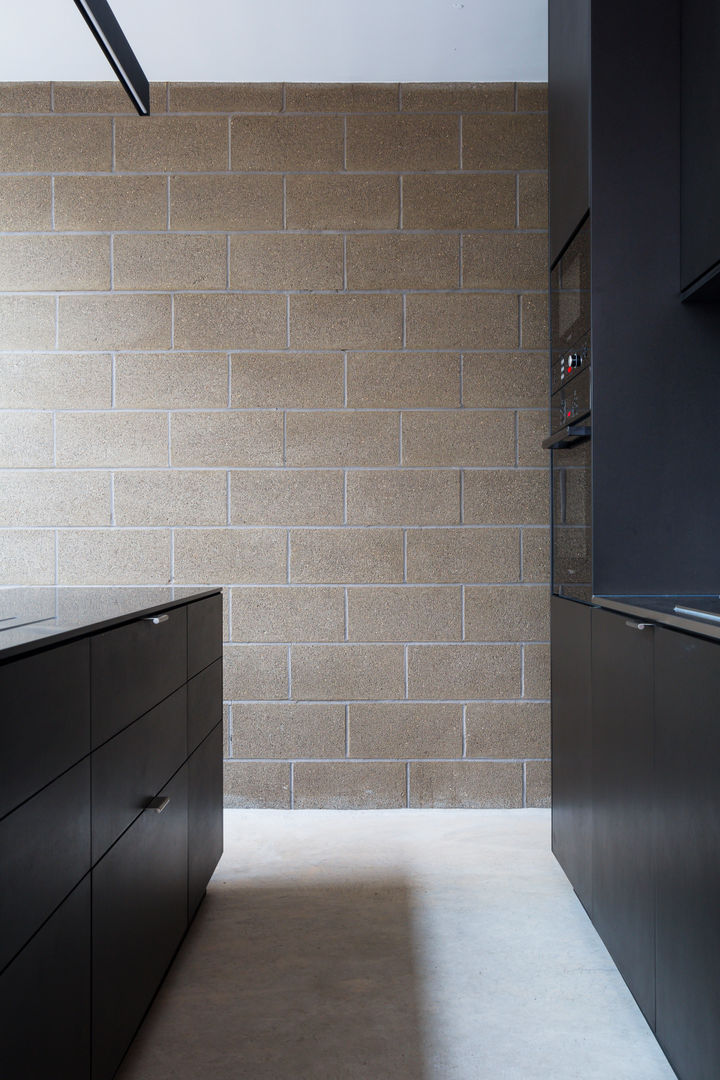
{"points": [[171, 381], [507, 497], [255, 672], [452, 672], [538, 784], [53, 263], [536, 555], [402, 261], [110, 202], [465, 785], [25, 97], [226, 202], [507, 613], [26, 440], [505, 260], [346, 556], [227, 725], [536, 672], [113, 557], [403, 380], [226, 439], [28, 557], [54, 498], [169, 262], [25, 203], [403, 142], [507, 729], [170, 497], [345, 322], [347, 672], [142, 321], [341, 97], [229, 321], [287, 381], [484, 438], [463, 555], [103, 97], [27, 322], [256, 785], [507, 141], [286, 261], [532, 429], [534, 321], [290, 730], [287, 497], [242, 556], [349, 785], [113, 439], [505, 380], [55, 381], [286, 143], [458, 202], [403, 497], [533, 201], [169, 143], [457, 97], [343, 202], [342, 438], [225, 97], [404, 614], [532, 97], [462, 321], [288, 613], [403, 730], [55, 144]]}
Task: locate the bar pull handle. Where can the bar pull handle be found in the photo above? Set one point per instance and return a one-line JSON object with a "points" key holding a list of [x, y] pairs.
{"points": [[639, 625], [158, 804], [157, 619]]}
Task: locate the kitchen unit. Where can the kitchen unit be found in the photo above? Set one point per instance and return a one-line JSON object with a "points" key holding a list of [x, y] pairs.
{"points": [[636, 817], [111, 778]]}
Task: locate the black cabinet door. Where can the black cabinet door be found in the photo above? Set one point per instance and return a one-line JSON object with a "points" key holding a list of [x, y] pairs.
{"points": [[687, 706], [45, 998], [622, 785], [205, 633], [568, 104], [139, 908], [204, 704], [205, 825], [572, 744]]}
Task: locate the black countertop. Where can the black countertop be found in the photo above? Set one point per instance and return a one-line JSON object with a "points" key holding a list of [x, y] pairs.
{"points": [[663, 610], [31, 618]]}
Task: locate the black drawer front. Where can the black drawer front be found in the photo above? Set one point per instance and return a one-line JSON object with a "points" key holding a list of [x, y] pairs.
{"points": [[44, 719], [205, 824], [44, 852], [205, 633], [204, 703], [45, 998], [139, 918], [133, 766], [134, 667]]}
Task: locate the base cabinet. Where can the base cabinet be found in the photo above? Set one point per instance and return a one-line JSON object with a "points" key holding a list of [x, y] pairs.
{"points": [[205, 837]]}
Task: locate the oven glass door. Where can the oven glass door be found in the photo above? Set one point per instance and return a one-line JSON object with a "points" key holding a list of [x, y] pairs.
{"points": [[572, 521]]}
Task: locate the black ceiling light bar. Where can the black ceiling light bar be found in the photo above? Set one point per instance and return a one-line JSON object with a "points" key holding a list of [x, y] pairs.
{"points": [[114, 44]]}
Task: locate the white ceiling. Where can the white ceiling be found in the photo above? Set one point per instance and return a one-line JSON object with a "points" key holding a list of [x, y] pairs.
{"points": [[285, 40]]}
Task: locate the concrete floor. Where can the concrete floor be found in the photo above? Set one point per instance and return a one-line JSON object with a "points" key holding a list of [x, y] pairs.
{"points": [[392, 945]]}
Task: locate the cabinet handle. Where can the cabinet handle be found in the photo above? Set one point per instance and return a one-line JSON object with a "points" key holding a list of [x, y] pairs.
{"points": [[158, 804], [639, 625], [156, 619]]}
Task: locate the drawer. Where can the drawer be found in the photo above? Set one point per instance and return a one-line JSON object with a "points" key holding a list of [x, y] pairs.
{"points": [[204, 703], [205, 818], [44, 720], [134, 667], [132, 767], [44, 852], [205, 633]]}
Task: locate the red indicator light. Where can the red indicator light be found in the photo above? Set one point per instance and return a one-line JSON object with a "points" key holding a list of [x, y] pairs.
{"points": [[569, 414]]}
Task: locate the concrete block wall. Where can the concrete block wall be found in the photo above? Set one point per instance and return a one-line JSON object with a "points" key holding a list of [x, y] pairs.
{"points": [[291, 340]]}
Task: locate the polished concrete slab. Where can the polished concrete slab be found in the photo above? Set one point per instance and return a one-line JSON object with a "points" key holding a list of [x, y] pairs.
{"points": [[392, 945]]}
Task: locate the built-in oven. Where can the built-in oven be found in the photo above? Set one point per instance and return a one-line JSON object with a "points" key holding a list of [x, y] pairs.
{"points": [[570, 438]]}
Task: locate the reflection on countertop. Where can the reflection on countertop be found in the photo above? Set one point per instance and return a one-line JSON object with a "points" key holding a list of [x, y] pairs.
{"points": [[664, 610]]}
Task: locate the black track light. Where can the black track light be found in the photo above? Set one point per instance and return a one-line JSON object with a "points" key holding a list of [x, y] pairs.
{"points": [[109, 36]]}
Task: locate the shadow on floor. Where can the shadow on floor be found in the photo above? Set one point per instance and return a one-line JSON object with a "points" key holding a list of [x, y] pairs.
{"points": [[306, 982]]}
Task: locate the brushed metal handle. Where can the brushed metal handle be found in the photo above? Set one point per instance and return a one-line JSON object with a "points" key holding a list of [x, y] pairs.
{"points": [[156, 619], [158, 804], [639, 625]]}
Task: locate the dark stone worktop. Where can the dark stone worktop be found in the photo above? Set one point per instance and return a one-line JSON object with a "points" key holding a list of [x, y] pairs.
{"points": [[661, 609]]}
